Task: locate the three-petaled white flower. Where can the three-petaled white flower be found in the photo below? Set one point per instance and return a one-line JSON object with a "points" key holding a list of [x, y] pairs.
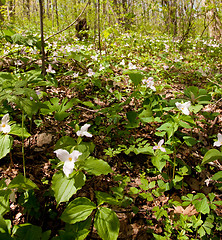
{"points": [[101, 67], [50, 70], [69, 159], [184, 107], [159, 146], [149, 83], [75, 75], [218, 143], [83, 131], [90, 72], [4, 126], [131, 66]]}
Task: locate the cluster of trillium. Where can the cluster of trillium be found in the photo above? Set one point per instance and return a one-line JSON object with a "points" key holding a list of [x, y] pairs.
{"points": [[69, 159]]}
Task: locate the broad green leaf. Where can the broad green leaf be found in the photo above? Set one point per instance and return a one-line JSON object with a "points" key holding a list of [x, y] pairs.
{"points": [[63, 187], [132, 117], [78, 210], [211, 155], [96, 166], [159, 162], [4, 201], [66, 143], [103, 197], [5, 227], [190, 141], [217, 176], [17, 130], [184, 124], [202, 205], [107, 224], [27, 231], [5, 145], [22, 183]]}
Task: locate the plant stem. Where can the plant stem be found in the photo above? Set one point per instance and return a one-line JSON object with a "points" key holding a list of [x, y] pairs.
{"points": [[23, 152]]}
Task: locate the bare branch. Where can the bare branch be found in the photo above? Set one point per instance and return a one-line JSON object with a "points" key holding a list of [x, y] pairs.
{"points": [[69, 24]]}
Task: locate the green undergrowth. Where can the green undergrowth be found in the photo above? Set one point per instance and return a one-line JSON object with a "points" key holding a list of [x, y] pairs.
{"points": [[142, 108]]}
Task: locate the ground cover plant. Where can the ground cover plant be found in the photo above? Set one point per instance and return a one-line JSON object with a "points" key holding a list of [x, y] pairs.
{"points": [[121, 141]]}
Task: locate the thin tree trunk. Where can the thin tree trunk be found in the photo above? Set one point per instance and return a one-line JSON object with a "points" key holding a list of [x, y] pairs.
{"points": [[42, 38], [98, 17]]}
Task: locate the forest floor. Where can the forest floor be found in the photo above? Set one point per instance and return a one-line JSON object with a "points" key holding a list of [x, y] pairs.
{"points": [[40, 166]]}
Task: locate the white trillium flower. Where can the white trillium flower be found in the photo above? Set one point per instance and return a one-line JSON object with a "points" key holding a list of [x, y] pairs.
{"points": [[149, 83], [50, 70], [218, 143], [4, 126], [122, 63], [184, 107], [159, 146], [131, 66], [69, 159], [75, 75], [90, 72], [83, 131], [101, 67]]}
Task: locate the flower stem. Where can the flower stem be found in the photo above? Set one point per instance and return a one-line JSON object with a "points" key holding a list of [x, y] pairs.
{"points": [[23, 152]]}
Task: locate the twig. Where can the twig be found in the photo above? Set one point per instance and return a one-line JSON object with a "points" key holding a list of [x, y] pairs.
{"points": [[69, 24]]}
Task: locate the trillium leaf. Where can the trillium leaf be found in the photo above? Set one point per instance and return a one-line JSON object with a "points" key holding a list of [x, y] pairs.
{"points": [[63, 187], [78, 210], [159, 162], [217, 176], [202, 205], [22, 183], [4, 200], [107, 224], [211, 155], [96, 166], [17, 130], [5, 145], [66, 143]]}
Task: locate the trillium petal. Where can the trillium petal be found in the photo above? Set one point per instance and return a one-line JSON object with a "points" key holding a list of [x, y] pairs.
{"points": [[68, 167], [219, 136], [162, 149], [6, 129], [160, 143], [75, 154], [5, 119], [187, 104], [85, 127], [62, 155], [186, 111], [87, 134], [218, 143]]}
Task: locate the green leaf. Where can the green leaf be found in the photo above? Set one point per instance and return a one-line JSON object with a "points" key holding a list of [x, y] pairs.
{"points": [[22, 183], [5, 145], [132, 117], [63, 187], [96, 166], [66, 143], [4, 201], [217, 176], [202, 205], [190, 141], [211, 155], [159, 162], [103, 197], [107, 224], [17, 130], [27, 231], [5, 227], [78, 210]]}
